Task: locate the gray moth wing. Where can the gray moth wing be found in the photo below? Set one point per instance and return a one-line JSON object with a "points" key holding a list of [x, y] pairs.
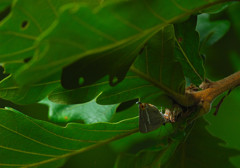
{"points": [[150, 118]]}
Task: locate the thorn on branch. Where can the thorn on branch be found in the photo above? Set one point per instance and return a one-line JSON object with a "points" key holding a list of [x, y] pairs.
{"points": [[220, 102]]}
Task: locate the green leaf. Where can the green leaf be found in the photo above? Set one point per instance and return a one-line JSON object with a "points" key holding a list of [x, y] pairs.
{"points": [[130, 112], [102, 157], [217, 8], [210, 31], [202, 150], [9, 90], [10, 68], [153, 150], [150, 73], [147, 79], [149, 158], [118, 28], [114, 63], [187, 50], [4, 4], [234, 14], [89, 112], [235, 59], [25, 24], [80, 95], [29, 142], [226, 123]]}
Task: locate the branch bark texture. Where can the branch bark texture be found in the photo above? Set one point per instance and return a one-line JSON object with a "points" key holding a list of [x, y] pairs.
{"points": [[211, 90]]}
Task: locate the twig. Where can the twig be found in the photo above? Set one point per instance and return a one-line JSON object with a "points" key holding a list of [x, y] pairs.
{"points": [[220, 102]]}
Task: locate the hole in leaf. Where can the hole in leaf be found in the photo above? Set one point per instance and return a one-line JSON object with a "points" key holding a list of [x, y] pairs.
{"points": [[27, 59], [24, 24], [81, 81]]}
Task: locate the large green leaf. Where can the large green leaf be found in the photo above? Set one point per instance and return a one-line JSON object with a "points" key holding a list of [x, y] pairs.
{"points": [[27, 142], [87, 33], [89, 112], [151, 70], [147, 79], [202, 150], [187, 50], [115, 63]]}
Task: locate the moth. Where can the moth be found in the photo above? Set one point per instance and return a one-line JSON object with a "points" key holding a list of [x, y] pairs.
{"points": [[150, 118]]}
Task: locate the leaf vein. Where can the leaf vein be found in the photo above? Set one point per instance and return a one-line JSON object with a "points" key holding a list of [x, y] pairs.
{"points": [[103, 97], [27, 152], [124, 21], [154, 13], [34, 140], [93, 29], [188, 61], [17, 52]]}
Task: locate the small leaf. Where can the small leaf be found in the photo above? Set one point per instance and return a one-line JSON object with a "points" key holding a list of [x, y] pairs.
{"points": [[210, 31], [217, 8], [52, 47], [187, 50], [89, 112]]}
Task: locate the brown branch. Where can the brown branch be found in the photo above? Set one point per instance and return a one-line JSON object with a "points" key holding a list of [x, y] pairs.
{"points": [[205, 97]]}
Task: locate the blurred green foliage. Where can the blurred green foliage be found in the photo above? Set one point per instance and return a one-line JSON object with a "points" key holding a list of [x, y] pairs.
{"points": [[127, 43]]}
